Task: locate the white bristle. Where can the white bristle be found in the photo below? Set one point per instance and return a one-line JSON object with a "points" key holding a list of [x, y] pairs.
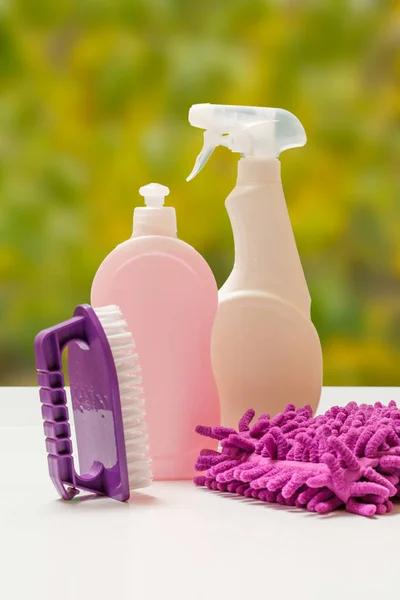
{"points": [[127, 366]]}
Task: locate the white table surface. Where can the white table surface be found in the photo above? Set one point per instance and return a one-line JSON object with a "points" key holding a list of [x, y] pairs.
{"points": [[175, 541]]}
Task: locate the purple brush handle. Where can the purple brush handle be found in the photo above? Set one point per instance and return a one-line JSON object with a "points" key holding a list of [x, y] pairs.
{"points": [[49, 345]]}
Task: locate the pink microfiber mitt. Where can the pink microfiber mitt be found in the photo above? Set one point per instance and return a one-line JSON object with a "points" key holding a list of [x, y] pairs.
{"points": [[349, 457]]}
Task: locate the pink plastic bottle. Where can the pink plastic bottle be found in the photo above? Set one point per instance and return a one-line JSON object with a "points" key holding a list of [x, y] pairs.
{"points": [[169, 297]]}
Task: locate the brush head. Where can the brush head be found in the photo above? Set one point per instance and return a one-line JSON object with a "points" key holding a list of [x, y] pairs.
{"points": [[107, 402], [132, 401]]}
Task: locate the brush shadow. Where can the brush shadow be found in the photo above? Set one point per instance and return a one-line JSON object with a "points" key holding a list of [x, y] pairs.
{"points": [[103, 503], [97, 503]]}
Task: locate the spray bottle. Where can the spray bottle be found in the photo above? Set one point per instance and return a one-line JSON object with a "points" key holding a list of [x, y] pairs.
{"points": [[265, 350]]}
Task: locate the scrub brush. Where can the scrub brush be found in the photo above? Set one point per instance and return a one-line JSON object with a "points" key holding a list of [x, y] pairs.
{"points": [[107, 402], [348, 457]]}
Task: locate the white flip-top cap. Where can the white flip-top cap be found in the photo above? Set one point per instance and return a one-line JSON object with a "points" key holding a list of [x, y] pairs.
{"points": [[154, 218], [154, 194]]}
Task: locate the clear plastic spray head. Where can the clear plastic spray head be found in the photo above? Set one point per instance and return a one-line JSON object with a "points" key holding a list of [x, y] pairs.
{"points": [[250, 130]]}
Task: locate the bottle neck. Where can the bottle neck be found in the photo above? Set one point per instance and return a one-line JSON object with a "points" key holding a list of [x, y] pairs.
{"points": [[160, 220], [266, 256], [252, 170]]}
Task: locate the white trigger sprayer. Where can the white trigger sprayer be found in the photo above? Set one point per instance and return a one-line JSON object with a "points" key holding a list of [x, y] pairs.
{"points": [[250, 130], [265, 349]]}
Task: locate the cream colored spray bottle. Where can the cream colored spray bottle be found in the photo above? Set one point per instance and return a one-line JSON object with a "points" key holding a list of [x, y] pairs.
{"points": [[265, 349]]}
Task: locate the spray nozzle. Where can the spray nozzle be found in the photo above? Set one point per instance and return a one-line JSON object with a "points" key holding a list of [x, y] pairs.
{"points": [[154, 194], [250, 130]]}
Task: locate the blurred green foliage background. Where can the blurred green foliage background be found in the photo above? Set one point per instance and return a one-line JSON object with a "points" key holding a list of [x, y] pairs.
{"points": [[94, 97]]}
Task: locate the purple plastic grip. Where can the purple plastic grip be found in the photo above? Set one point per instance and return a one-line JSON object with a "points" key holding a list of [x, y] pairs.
{"points": [[49, 345]]}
